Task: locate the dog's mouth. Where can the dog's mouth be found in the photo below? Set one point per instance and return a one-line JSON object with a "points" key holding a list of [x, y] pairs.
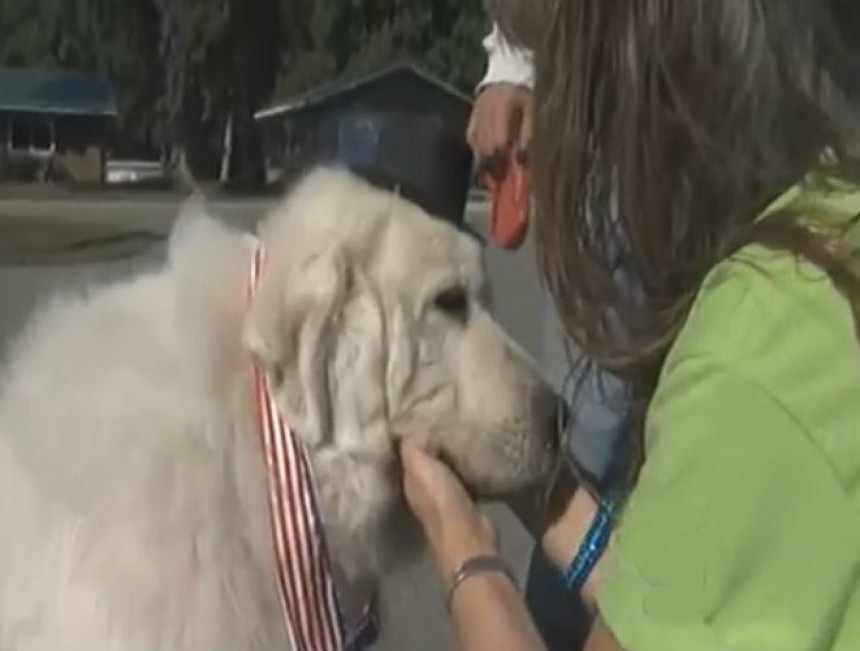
{"points": [[493, 463], [501, 469]]}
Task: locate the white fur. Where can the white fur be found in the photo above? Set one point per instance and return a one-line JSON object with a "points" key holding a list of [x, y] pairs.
{"points": [[132, 505]]}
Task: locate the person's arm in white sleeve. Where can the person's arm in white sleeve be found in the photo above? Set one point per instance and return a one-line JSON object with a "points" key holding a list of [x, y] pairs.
{"points": [[501, 117], [506, 64]]}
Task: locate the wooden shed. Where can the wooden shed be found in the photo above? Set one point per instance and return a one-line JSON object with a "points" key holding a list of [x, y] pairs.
{"points": [[309, 129]]}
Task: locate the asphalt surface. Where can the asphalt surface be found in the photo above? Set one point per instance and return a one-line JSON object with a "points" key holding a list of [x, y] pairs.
{"points": [[51, 245]]}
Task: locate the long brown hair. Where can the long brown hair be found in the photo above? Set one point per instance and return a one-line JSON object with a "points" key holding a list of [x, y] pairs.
{"points": [[662, 128]]}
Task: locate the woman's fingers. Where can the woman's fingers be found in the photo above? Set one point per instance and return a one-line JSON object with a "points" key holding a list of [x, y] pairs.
{"points": [[431, 488], [497, 120], [421, 474], [455, 528]]}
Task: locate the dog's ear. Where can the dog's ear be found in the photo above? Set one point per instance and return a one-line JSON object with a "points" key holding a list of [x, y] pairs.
{"points": [[290, 332]]}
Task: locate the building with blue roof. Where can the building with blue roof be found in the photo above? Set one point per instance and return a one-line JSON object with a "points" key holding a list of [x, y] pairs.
{"points": [[54, 125]]}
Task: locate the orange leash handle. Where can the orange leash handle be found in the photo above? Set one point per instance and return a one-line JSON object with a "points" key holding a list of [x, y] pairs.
{"points": [[510, 204]]}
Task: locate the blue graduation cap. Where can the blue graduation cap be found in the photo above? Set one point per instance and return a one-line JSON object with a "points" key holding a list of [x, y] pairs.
{"points": [[420, 157]]}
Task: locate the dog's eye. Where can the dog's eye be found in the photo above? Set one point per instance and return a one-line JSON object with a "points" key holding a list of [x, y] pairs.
{"points": [[453, 302]]}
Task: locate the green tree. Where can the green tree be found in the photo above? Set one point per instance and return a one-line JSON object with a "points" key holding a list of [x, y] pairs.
{"points": [[126, 51], [188, 29], [258, 34], [115, 39], [350, 39], [186, 69], [314, 60], [221, 59]]}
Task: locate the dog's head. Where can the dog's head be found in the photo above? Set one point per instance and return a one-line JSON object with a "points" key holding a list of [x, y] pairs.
{"points": [[370, 323]]}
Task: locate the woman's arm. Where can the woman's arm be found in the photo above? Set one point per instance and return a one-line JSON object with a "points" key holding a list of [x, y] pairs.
{"points": [[488, 614], [559, 519], [506, 64], [501, 116], [487, 611], [601, 638]]}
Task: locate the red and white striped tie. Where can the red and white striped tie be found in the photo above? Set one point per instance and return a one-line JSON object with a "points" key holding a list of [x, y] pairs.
{"points": [[307, 589]]}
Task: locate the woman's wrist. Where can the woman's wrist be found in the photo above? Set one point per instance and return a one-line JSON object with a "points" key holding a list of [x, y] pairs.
{"points": [[559, 518], [541, 507], [488, 612], [564, 539], [453, 545]]}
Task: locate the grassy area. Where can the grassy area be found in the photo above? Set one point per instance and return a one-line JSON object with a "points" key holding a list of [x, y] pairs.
{"points": [[25, 242]]}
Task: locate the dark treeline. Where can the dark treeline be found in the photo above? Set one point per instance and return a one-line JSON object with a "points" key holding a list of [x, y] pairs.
{"points": [[184, 68]]}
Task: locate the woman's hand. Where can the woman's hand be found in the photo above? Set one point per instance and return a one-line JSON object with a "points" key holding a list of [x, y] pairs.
{"points": [[501, 119], [487, 611], [455, 528]]}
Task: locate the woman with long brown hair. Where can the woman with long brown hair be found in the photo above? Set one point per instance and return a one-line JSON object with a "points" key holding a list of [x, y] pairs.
{"points": [[721, 135]]}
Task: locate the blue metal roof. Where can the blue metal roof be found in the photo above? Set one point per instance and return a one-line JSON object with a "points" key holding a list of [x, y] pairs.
{"points": [[56, 91], [322, 94]]}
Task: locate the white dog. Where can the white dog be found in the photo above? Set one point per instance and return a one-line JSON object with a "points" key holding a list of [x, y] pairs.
{"points": [[133, 509]]}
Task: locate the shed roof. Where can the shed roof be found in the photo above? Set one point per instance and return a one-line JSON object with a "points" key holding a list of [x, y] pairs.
{"points": [[327, 92], [56, 91]]}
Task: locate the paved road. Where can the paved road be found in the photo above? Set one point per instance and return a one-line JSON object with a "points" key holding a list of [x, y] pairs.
{"points": [[413, 615]]}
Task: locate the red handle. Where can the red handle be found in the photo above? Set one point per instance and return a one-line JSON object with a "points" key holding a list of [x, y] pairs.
{"points": [[510, 205]]}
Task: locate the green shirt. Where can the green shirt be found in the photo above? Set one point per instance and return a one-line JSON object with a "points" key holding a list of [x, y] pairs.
{"points": [[743, 532]]}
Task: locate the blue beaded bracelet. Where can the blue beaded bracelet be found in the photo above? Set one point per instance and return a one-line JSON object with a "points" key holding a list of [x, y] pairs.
{"points": [[591, 549]]}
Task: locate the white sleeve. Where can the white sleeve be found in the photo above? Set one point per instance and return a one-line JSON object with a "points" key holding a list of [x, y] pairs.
{"points": [[506, 63]]}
